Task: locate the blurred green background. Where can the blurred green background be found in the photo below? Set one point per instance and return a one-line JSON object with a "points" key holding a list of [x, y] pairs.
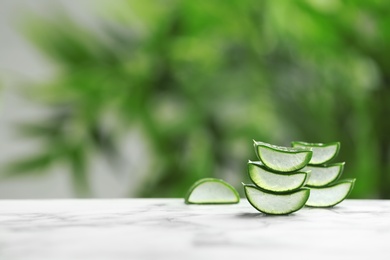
{"points": [[200, 79]]}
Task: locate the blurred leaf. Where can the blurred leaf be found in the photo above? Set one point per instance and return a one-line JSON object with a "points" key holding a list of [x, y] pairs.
{"points": [[77, 160], [33, 164]]}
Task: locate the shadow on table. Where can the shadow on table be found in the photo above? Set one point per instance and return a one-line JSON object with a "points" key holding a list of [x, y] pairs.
{"points": [[262, 215]]}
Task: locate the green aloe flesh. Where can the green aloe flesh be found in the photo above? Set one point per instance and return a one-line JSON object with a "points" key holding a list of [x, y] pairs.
{"points": [[322, 175], [274, 203], [322, 152], [282, 159], [331, 195], [212, 191], [275, 182]]}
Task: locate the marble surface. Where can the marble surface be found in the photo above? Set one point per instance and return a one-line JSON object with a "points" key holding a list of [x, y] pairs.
{"points": [[169, 229]]}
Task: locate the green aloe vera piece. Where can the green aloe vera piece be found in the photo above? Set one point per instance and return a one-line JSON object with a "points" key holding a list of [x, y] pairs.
{"points": [[322, 152], [282, 159], [322, 175], [331, 195], [276, 203], [212, 191], [273, 181]]}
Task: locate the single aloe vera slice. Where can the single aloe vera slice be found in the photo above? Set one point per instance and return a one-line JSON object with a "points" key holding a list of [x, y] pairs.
{"points": [[322, 175], [282, 159], [275, 182], [322, 152], [331, 195], [212, 191], [274, 203]]}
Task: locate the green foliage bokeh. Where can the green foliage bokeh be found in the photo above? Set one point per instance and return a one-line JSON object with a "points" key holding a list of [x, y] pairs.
{"points": [[201, 79]]}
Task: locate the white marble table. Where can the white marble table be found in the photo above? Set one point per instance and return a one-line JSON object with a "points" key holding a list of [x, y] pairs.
{"points": [[169, 229]]}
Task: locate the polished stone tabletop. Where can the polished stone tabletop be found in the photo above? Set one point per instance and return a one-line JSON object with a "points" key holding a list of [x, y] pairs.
{"points": [[169, 229]]}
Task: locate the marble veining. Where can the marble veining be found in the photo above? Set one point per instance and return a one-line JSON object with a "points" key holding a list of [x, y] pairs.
{"points": [[169, 229]]}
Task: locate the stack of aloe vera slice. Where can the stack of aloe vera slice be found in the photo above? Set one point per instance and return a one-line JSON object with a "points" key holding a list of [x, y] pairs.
{"points": [[325, 188], [284, 180], [278, 178]]}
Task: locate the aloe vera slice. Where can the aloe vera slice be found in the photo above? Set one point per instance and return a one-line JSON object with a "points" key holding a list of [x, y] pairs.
{"points": [[322, 175], [331, 195], [322, 152], [212, 191], [282, 159], [274, 203], [275, 182]]}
